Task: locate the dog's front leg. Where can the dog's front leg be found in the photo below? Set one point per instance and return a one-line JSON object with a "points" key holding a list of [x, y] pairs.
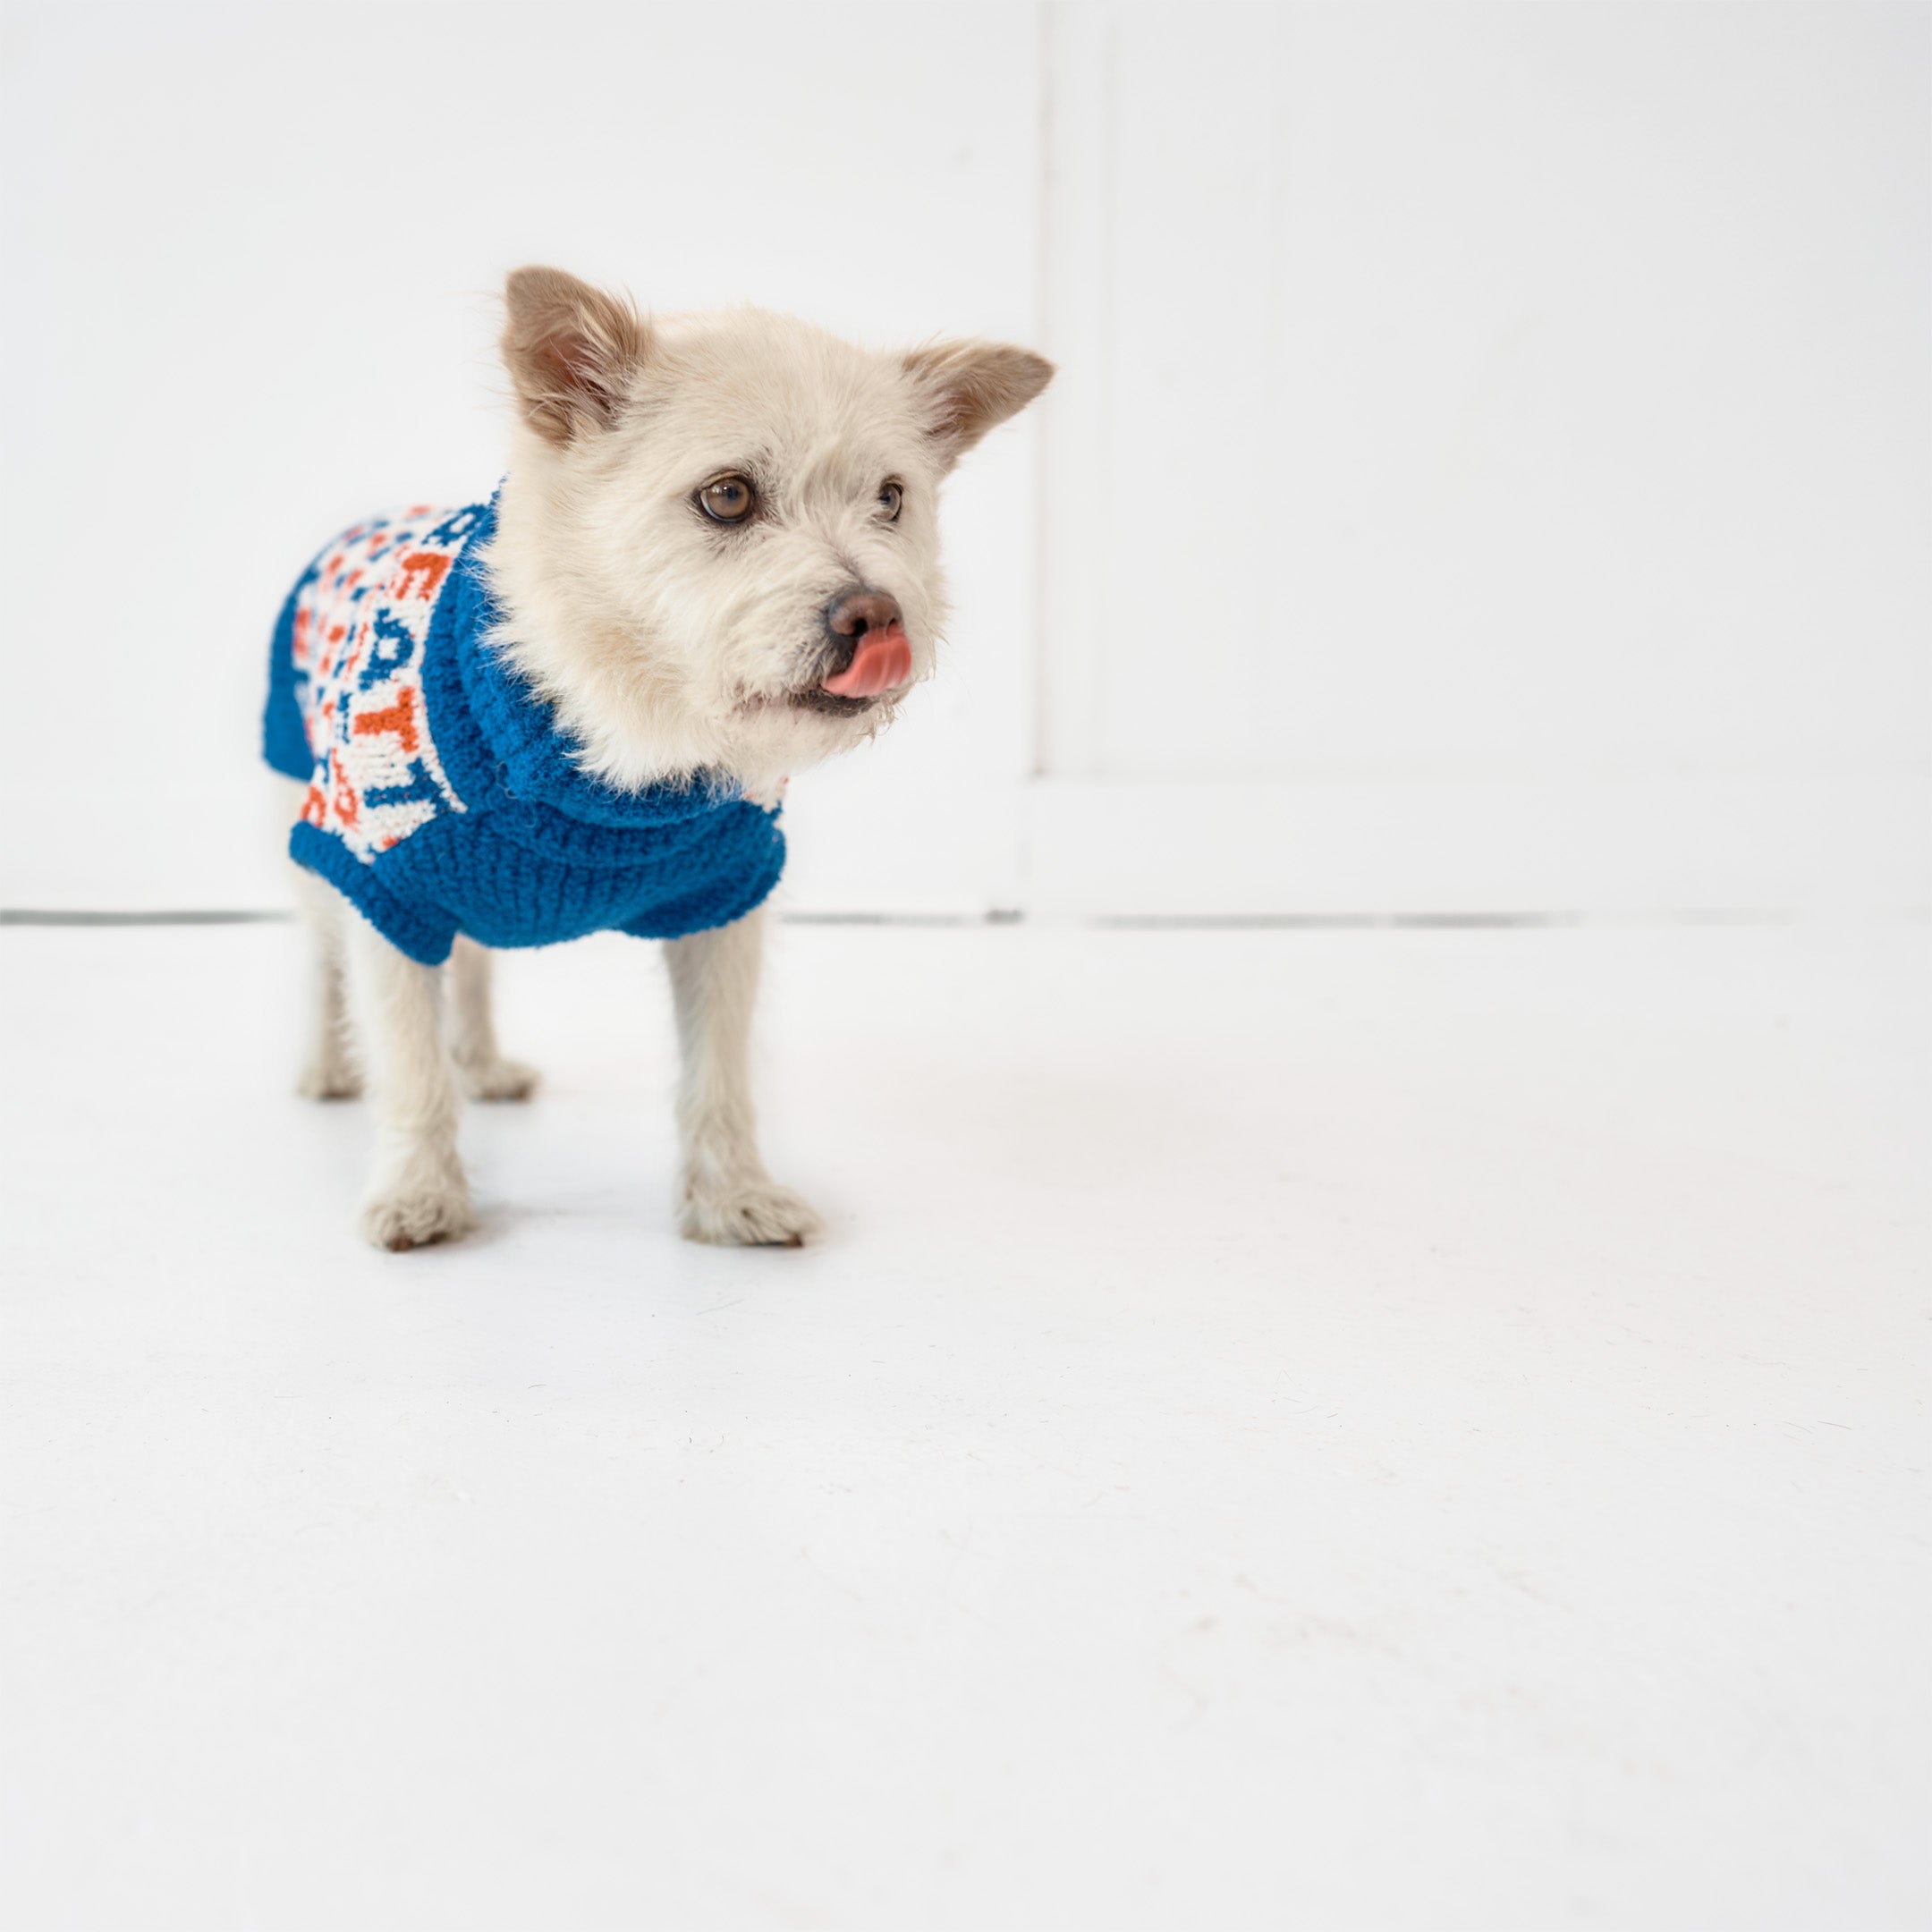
{"points": [[419, 1193], [726, 1195]]}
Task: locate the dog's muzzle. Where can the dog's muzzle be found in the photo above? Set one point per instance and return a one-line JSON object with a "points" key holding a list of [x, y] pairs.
{"points": [[867, 652]]}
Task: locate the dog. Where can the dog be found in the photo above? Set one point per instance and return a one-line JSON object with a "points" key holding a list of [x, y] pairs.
{"points": [[713, 560]]}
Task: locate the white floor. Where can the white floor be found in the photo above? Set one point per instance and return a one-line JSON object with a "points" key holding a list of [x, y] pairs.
{"points": [[1288, 1429]]}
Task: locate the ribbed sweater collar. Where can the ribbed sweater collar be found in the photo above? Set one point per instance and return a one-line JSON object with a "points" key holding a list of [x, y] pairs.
{"points": [[521, 751]]}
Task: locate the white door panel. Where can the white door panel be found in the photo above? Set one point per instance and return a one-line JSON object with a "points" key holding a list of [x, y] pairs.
{"points": [[250, 259], [1471, 416], [1494, 394]]}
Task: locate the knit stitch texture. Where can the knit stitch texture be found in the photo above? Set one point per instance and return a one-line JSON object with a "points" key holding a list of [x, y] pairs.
{"points": [[443, 799]]}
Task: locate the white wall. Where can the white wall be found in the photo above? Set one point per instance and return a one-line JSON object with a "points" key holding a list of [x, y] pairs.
{"points": [[1491, 469], [251, 255], [1500, 472]]}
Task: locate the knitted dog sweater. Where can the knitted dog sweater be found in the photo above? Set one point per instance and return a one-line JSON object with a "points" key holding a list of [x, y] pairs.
{"points": [[443, 798]]}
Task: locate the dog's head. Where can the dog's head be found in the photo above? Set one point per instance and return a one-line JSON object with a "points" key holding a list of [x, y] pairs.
{"points": [[718, 544]]}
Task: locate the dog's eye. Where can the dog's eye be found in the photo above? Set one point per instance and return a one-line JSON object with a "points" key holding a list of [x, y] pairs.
{"points": [[891, 497], [728, 500]]}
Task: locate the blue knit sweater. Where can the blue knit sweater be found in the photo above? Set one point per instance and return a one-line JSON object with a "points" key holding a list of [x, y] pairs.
{"points": [[443, 798]]}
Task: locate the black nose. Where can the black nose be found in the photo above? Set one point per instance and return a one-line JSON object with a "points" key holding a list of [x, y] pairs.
{"points": [[855, 613]]}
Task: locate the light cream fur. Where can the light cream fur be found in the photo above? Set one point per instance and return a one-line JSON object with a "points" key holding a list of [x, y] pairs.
{"points": [[667, 644]]}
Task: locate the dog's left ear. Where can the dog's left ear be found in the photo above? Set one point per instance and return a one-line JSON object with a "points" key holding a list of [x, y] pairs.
{"points": [[973, 387]]}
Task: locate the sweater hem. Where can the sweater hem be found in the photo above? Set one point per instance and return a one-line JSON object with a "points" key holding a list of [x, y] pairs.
{"points": [[680, 921], [284, 736], [427, 941]]}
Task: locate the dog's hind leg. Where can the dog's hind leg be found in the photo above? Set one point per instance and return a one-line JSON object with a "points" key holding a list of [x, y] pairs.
{"points": [[419, 1193], [725, 1195], [328, 1070], [486, 1073]]}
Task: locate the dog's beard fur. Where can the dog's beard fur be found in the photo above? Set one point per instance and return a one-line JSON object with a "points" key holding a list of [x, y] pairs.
{"points": [[671, 645]]}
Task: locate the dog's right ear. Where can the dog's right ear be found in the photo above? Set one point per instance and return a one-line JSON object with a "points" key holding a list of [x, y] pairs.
{"points": [[571, 352]]}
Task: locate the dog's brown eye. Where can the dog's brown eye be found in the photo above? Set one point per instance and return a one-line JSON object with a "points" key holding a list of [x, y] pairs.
{"points": [[891, 497], [728, 500]]}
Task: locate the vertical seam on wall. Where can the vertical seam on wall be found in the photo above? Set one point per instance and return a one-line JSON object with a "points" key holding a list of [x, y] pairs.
{"points": [[1043, 54], [1103, 469], [1078, 46], [1077, 249], [1043, 60]]}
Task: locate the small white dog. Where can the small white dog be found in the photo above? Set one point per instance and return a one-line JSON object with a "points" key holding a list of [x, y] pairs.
{"points": [[713, 559]]}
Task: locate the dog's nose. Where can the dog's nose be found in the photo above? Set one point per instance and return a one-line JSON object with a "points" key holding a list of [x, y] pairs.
{"points": [[860, 611]]}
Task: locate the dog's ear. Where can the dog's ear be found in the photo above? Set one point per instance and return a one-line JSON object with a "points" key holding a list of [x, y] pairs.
{"points": [[973, 387], [571, 350]]}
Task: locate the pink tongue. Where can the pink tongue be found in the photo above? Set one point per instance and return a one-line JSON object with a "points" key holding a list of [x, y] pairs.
{"points": [[883, 658]]}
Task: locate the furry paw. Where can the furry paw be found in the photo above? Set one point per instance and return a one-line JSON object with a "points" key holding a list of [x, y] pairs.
{"points": [[754, 1213], [329, 1077], [415, 1209], [500, 1079]]}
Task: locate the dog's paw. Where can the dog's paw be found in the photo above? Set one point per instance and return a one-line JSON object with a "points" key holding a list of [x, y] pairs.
{"points": [[329, 1077], [414, 1210], [754, 1213], [500, 1079]]}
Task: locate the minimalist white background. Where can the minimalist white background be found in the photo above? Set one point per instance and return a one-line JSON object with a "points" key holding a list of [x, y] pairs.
{"points": [[253, 259], [1491, 468], [1502, 467], [1332, 1428]]}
